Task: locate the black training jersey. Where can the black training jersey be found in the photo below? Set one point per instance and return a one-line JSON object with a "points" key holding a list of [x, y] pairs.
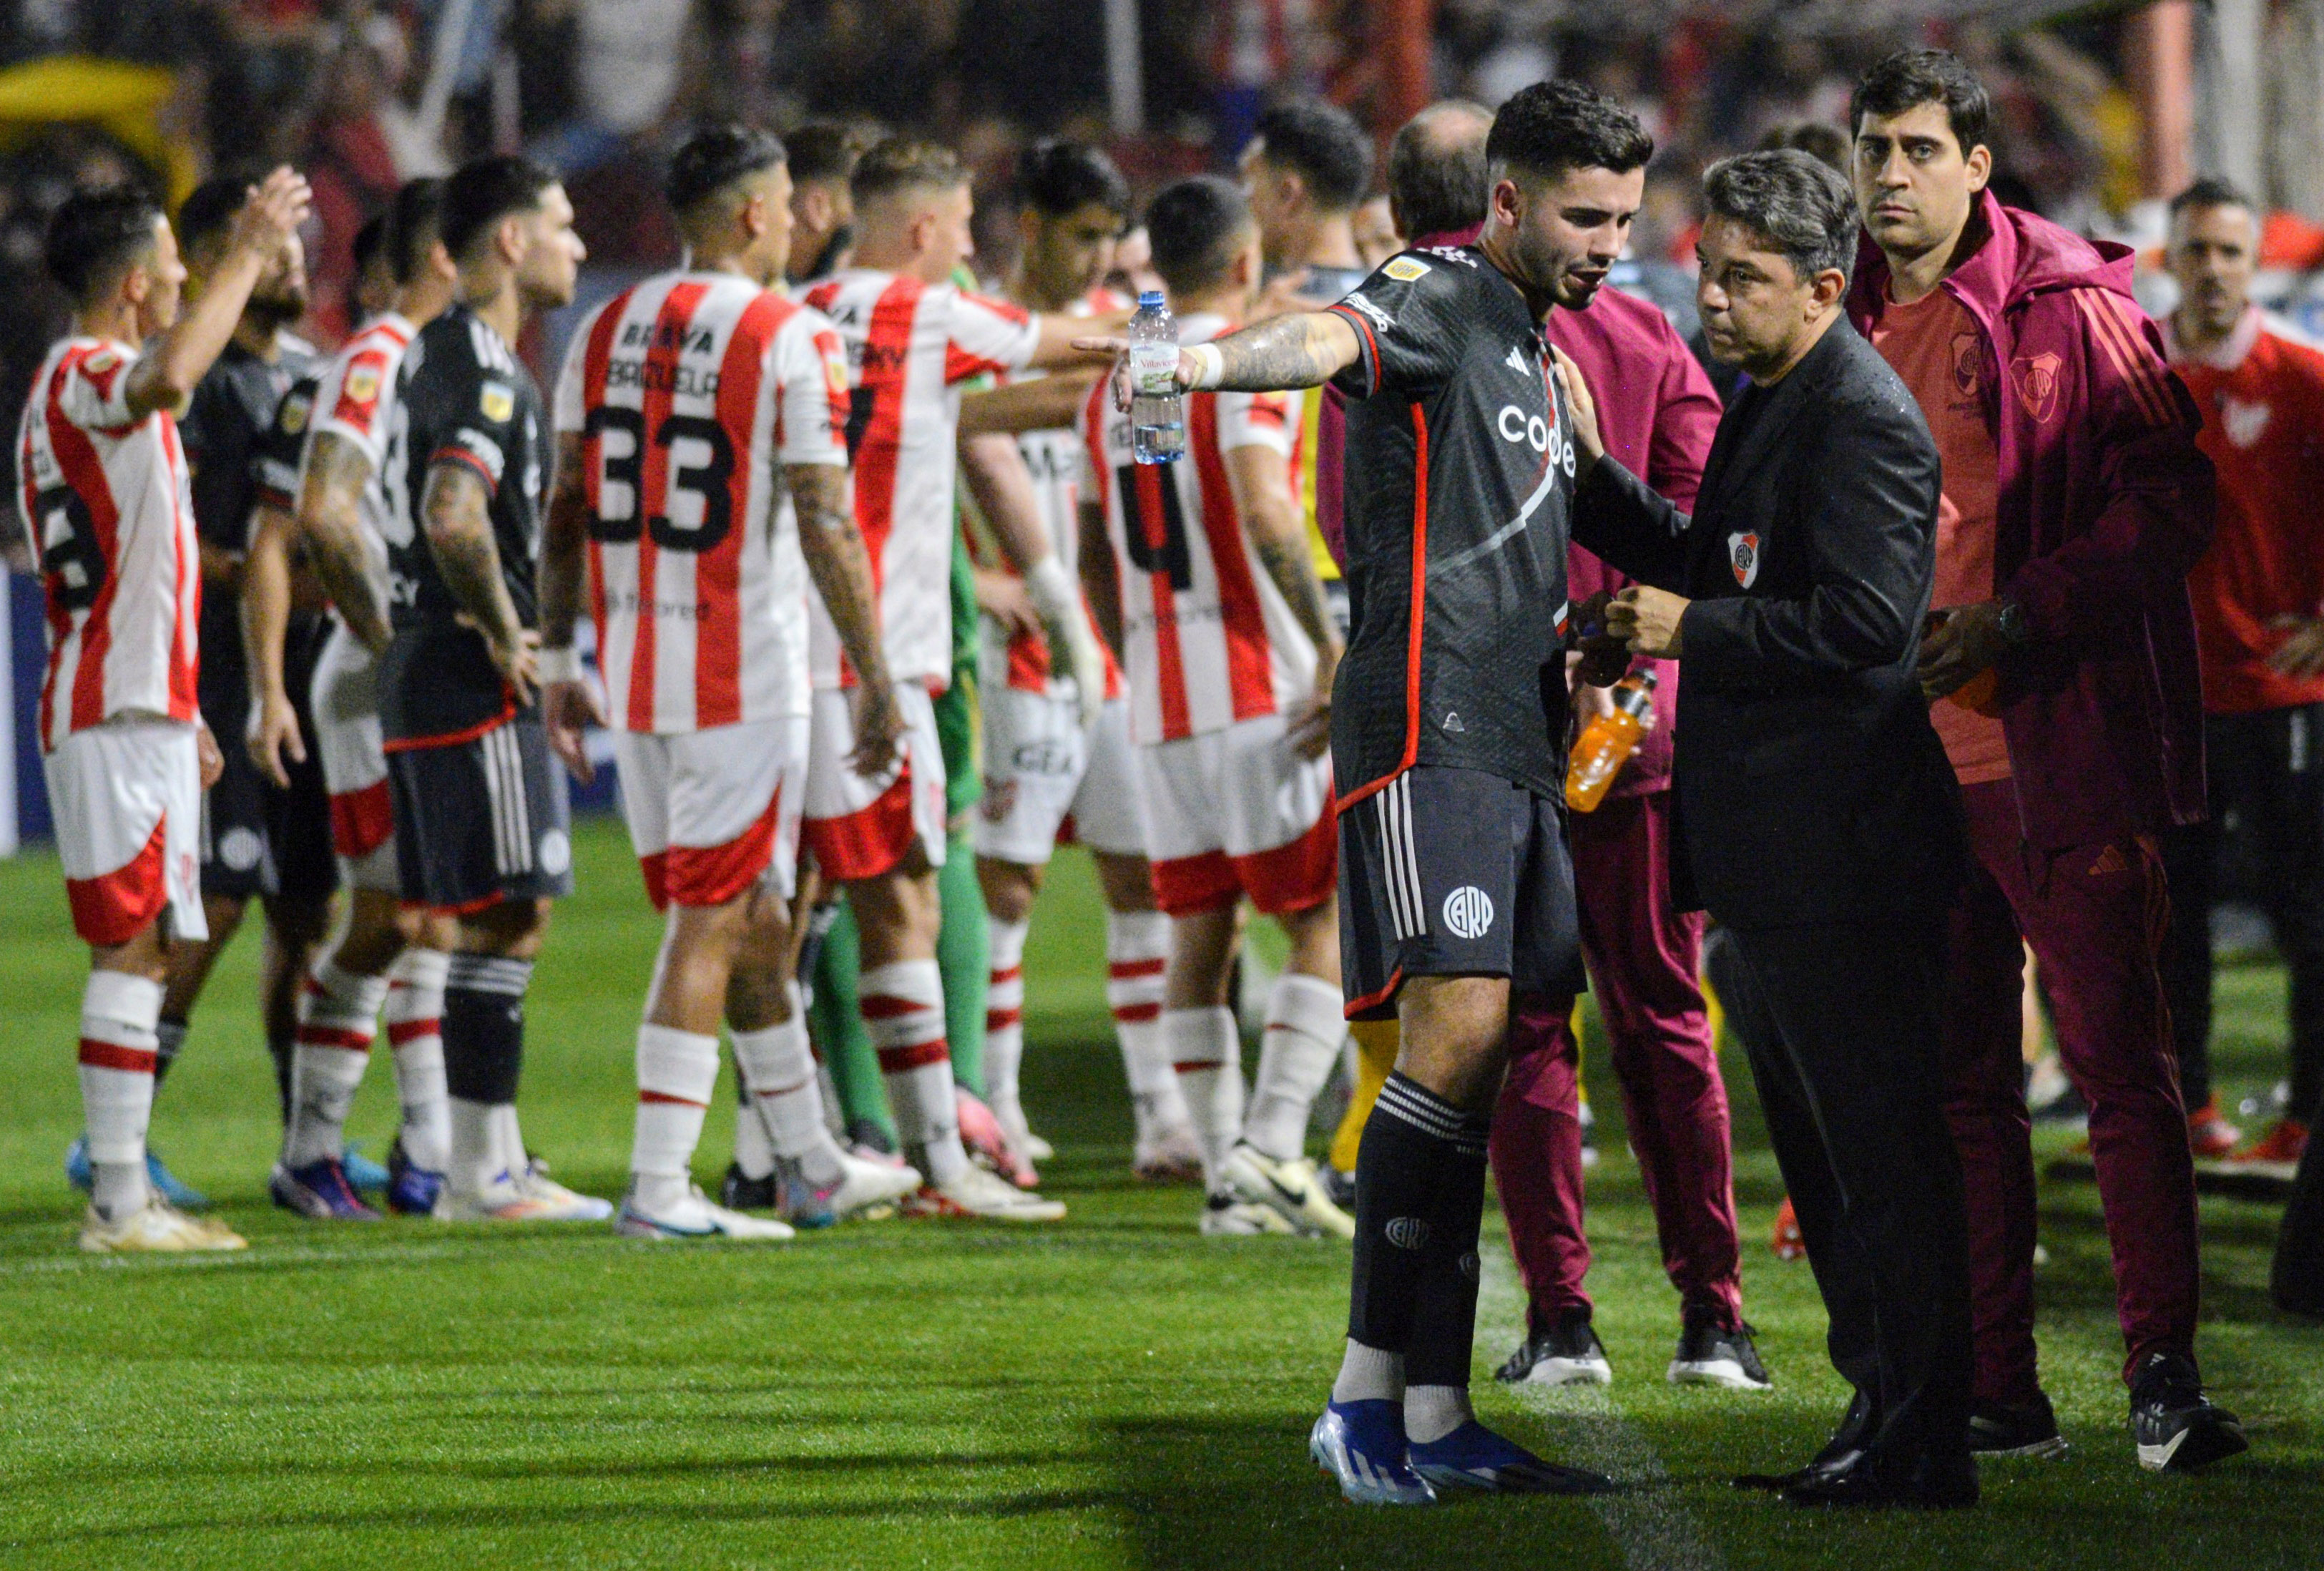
{"points": [[462, 397], [226, 424], [1460, 483], [274, 483]]}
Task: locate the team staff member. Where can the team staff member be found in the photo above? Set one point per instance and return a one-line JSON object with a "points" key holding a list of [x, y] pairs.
{"points": [[1818, 822], [2075, 502], [1456, 891], [2256, 593]]}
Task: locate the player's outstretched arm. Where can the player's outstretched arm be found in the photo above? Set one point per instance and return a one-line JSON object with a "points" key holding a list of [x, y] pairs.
{"points": [[330, 523], [568, 708], [1045, 403], [164, 377], [1261, 479], [1304, 349], [1063, 338], [841, 566], [456, 514], [265, 618]]}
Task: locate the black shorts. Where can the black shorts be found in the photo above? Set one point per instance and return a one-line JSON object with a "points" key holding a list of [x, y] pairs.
{"points": [[481, 820], [259, 840], [1454, 872]]}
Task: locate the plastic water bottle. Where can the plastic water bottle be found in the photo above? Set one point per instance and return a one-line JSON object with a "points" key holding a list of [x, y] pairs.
{"points": [[1157, 409], [1606, 744]]}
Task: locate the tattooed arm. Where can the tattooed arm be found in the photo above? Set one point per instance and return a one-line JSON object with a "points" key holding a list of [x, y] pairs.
{"points": [[455, 513], [1305, 349], [1261, 479], [567, 706], [330, 521], [841, 566]]}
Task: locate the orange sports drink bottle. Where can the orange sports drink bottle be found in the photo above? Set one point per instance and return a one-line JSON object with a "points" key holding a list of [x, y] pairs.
{"points": [[1606, 744]]}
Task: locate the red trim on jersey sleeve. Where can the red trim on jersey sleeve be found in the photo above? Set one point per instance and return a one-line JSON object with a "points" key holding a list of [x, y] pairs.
{"points": [[710, 876], [451, 455], [1170, 661], [84, 471], [1250, 669], [660, 374], [1418, 612], [362, 820], [821, 296], [115, 907], [355, 409], [596, 361], [1296, 876], [718, 572], [1372, 360]]}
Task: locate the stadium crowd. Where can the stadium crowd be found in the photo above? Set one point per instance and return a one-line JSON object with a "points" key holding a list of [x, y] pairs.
{"points": [[839, 529]]}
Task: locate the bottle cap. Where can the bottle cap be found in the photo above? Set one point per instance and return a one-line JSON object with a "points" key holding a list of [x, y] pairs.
{"points": [[1152, 297]]}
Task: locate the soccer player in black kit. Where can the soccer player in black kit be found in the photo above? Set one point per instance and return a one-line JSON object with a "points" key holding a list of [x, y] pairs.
{"points": [[1448, 745], [481, 816]]}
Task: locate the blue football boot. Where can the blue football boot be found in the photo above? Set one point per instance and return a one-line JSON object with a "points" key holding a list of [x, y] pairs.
{"points": [[364, 1176], [411, 1191], [1362, 1445], [165, 1183], [1474, 1457], [318, 1190]]}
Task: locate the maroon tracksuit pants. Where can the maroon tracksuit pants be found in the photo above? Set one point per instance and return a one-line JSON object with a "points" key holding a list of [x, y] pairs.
{"points": [[2095, 916], [1642, 956]]}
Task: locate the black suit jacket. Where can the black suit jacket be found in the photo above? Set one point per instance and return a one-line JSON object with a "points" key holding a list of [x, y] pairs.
{"points": [[1810, 786]]}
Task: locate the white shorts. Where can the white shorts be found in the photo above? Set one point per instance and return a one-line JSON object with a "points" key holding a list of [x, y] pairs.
{"points": [[712, 812], [858, 827], [127, 800], [1238, 812], [1041, 768], [344, 702]]}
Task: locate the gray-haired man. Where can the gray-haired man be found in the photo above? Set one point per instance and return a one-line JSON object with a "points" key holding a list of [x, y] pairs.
{"points": [[1819, 821]]}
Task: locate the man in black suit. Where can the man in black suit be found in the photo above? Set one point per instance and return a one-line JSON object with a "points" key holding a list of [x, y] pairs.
{"points": [[1819, 821]]}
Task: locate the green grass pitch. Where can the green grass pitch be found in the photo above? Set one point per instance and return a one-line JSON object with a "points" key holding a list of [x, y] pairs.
{"points": [[1113, 1392]]}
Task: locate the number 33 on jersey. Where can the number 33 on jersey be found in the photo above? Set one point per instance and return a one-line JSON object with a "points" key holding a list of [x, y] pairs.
{"points": [[686, 392]]}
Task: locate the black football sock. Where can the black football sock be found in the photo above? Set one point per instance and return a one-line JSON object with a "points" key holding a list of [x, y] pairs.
{"points": [[1444, 1308], [1409, 1148], [483, 1026], [169, 1040]]}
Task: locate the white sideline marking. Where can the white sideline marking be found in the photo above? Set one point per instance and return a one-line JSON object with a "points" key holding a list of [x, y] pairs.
{"points": [[1654, 1531]]}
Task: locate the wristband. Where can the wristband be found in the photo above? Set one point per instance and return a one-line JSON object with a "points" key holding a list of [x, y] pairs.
{"points": [[1210, 367], [560, 665]]}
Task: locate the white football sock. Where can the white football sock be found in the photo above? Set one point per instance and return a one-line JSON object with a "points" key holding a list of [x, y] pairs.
{"points": [[755, 1153], [337, 1016], [1368, 1374], [1136, 952], [777, 1065], [415, 1035], [1004, 1024], [474, 1163], [903, 1011], [677, 1072], [1431, 1412], [508, 1139], [1305, 1028], [118, 1014], [1206, 1052]]}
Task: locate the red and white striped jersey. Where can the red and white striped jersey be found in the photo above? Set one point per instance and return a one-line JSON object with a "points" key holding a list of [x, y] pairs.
{"points": [[909, 347], [354, 400], [110, 501], [1054, 459], [1208, 638], [688, 390]]}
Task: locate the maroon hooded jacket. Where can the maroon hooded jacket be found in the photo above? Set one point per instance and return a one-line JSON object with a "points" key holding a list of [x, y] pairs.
{"points": [[2104, 503]]}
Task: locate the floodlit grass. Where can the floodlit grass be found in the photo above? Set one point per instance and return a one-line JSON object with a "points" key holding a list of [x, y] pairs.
{"points": [[1114, 1391]]}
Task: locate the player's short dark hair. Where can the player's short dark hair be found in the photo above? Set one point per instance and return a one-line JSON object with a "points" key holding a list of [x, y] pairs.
{"points": [[480, 193], [1800, 206], [96, 234], [824, 149], [416, 224], [1056, 177], [1323, 145], [1435, 185], [1192, 226], [370, 241], [1557, 126], [2214, 190], [1812, 137], [904, 163], [715, 158], [208, 210], [1913, 76]]}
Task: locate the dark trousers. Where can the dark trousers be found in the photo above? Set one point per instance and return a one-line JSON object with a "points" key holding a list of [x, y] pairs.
{"points": [[2267, 768], [2297, 1282], [1844, 1033], [2094, 915], [1642, 955]]}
